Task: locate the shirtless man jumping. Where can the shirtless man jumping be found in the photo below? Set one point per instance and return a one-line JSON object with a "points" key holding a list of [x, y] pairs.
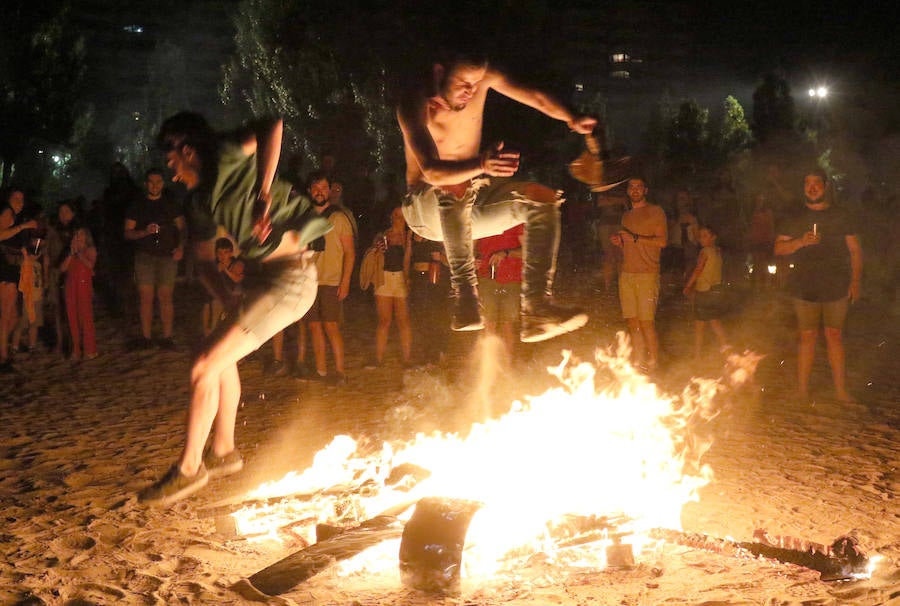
{"points": [[459, 192]]}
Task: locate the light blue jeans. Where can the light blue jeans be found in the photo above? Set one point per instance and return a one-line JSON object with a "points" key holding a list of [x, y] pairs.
{"points": [[490, 207]]}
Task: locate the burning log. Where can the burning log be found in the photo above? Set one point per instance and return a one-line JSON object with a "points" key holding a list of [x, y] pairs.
{"points": [[433, 542], [842, 560], [285, 574]]}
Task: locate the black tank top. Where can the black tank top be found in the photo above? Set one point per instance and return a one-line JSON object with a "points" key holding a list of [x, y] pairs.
{"points": [[393, 258]]}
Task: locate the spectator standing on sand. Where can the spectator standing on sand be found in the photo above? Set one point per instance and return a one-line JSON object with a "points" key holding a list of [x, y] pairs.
{"points": [[156, 226], [826, 278], [642, 236], [705, 288]]}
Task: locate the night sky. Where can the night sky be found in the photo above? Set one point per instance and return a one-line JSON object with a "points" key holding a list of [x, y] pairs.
{"points": [[746, 38], [700, 50]]}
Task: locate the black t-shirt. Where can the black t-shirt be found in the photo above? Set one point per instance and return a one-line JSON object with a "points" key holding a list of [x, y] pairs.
{"points": [[820, 272], [162, 211]]}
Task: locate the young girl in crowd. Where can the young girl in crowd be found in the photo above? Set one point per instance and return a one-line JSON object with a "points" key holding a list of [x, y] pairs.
{"points": [[79, 291], [391, 296], [704, 286]]}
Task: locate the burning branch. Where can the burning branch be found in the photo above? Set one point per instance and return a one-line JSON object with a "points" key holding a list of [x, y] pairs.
{"points": [[842, 560]]}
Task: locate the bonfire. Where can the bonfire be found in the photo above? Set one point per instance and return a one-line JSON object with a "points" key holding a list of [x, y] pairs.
{"points": [[591, 474]]}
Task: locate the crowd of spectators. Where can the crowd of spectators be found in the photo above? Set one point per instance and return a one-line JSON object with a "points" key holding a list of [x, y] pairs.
{"points": [[132, 244]]}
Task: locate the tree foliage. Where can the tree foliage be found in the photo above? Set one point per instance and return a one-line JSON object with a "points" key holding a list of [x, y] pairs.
{"points": [[325, 74], [333, 71], [683, 145], [733, 135]]}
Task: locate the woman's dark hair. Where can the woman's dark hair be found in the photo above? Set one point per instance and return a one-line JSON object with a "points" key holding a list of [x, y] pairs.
{"points": [[73, 205]]}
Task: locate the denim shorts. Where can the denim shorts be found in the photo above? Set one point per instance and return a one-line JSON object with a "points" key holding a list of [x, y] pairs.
{"points": [[277, 296], [394, 285]]}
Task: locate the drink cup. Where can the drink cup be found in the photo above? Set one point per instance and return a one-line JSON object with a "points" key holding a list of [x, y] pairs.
{"points": [[434, 272]]}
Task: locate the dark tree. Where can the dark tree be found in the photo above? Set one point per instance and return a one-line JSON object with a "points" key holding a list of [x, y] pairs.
{"points": [[688, 141], [333, 71], [41, 70], [773, 108]]}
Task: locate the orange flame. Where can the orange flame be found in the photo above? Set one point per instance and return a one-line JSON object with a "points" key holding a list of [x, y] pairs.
{"points": [[606, 442]]}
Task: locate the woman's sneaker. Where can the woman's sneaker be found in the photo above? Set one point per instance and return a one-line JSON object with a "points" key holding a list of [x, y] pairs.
{"points": [[225, 465], [174, 486]]}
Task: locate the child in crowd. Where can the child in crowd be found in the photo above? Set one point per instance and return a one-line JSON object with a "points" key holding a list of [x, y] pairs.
{"points": [[32, 285], [231, 272], [79, 292], [704, 286]]}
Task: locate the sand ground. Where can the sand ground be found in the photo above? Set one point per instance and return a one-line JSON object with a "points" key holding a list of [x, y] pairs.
{"points": [[78, 440]]}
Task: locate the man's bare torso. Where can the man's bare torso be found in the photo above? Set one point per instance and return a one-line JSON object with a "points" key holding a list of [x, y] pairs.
{"points": [[455, 135]]}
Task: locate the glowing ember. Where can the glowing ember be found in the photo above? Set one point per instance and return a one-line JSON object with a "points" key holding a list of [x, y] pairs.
{"points": [[606, 443]]}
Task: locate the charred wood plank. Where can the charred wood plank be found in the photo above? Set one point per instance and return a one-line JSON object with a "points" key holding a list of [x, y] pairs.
{"points": [[287, 573], [840, 561]]}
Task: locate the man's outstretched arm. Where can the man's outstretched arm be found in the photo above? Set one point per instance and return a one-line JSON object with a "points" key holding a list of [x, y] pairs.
{"points": [[265, 141], [542, 102]]}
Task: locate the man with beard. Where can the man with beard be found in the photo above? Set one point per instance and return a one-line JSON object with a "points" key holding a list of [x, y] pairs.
{"points": [[641, 236], [156, 225], [233, 192], [459, 191], [826, 260], [335, 257]]}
